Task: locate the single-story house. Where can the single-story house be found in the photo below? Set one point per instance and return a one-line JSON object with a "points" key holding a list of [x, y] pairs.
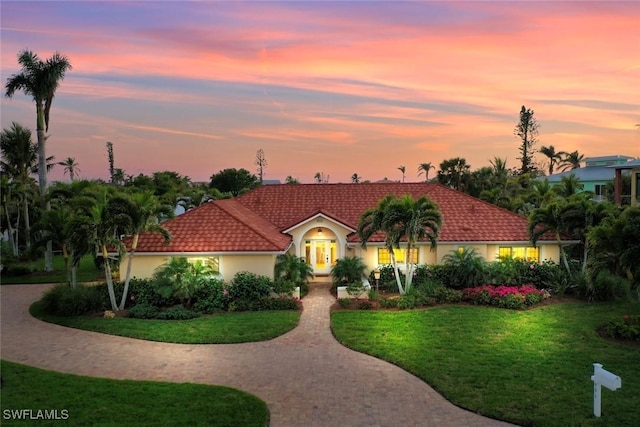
{"points": [[318, 222]]}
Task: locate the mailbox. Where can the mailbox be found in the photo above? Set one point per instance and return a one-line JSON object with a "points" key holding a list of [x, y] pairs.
{"points": [[600, 378], [605, 378]]}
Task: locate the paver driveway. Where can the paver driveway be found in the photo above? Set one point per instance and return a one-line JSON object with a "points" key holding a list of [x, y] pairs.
{"points": [[306, 377]]}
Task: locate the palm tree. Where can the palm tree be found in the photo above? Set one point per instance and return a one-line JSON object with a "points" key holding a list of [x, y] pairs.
{"points": [[71, 166], [40, 79], [499, 166], [20, 161], [424, 168], [454, 173], [549, 219], [144, 212], [571, 161], [404, 218], [403, 170], [355, 178], [292, 268], [568, 186], [554, 158]]}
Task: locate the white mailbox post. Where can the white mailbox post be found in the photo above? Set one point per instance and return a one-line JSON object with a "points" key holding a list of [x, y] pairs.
{"points": [[605, 378]]}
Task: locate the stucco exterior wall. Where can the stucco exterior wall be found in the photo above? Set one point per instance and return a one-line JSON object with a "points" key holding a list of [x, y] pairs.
{"points": [[144, 265]]}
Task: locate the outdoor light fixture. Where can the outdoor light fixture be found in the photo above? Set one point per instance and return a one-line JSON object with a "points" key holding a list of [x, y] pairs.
{"points": [[376, 275], [320, 231]]}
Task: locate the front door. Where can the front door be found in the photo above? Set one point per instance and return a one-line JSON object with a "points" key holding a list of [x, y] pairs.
{"points": [[321, 255]]}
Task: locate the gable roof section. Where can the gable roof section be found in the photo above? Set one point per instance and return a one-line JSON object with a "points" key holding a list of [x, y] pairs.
{"points": [[465, 218], [219, 226]]}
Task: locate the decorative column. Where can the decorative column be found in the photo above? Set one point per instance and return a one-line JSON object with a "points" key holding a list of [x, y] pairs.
{"points": [[618, 186]]}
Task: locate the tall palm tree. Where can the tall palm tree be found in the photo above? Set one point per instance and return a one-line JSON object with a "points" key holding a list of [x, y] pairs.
{"points": [[571, 161], [40, 79], [144, 212], [499, 166], [403, 170], [402, 219], [355, 178], [71, 166], [20, 156], [424, 168], [553, 156]]}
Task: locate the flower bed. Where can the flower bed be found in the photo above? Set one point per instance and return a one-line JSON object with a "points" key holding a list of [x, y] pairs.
{"points": [[513, 297], [627, 328]]}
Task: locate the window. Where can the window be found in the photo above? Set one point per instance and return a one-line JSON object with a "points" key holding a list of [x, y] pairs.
{"points": [[527, 253], [384, 257], [599, 190], [212, 261]]}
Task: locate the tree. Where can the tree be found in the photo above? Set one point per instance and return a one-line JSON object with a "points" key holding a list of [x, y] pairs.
{"points": [[261, 162], [403, 170], [402, 219], [291, 180], [549, 219], [20, 161], [568, 186], [424, 168], [144, 211], [70, 166], [571, 161], [553, 156], [527, 131], [111, 162], [320, 178], [355, 178], [292, 268], [615, 245], [40, 79], [454, 173], [234, 181]]}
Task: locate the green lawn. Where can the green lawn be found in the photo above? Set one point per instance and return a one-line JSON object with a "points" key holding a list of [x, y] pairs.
{"points": [[100, 402], [527, 367], [227, 328], [87, 272]]}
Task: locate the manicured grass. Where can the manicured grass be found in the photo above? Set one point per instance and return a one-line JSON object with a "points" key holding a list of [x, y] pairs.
{"points": [[87, 272], [101, 402], [225, 328], [528, 367]]}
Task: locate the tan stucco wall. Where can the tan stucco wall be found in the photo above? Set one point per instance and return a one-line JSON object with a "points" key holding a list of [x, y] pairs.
{"points": [[144, 265]]}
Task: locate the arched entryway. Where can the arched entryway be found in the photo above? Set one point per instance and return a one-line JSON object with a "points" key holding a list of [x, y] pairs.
{"points": [[320, 249]]}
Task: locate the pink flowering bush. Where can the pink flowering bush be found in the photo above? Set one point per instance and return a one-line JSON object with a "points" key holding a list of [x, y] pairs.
{"points": [[513, 297]]}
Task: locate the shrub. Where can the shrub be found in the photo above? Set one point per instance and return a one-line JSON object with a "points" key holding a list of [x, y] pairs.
{"points": [[283, 287], [388, 302], [440, 274], [211, 297], [143, 311], [279, 304], [503, 296], [181, 279], [387, 281], [365, 305], [177, 313], [293, 269], [63, 300], [627, 328], [467, 268], [348, 270], [356, 289], [406, 301], [247, 287], [605, 286], [444, 295], [15, 269], [344, 302]]}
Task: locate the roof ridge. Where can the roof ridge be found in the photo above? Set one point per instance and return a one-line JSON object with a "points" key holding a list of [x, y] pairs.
{"points": [[239, 206]]}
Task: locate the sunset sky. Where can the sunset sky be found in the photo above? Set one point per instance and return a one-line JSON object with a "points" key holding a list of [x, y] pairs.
{"points": [[332, 87]]}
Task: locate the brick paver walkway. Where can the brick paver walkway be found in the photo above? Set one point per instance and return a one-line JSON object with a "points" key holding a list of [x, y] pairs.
{"points": [[305, 376]]}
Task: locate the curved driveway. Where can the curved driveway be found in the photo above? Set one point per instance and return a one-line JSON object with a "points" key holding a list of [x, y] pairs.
{"points": [[305, 376]]}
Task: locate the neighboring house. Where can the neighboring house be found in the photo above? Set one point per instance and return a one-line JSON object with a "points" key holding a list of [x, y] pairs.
{"points": [[318, 222], [595, 175], [634, 167]]}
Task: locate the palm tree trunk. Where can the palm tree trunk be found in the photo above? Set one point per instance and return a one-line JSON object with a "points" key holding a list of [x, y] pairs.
{"points": [[11, 230], [107, 272], [127, 277], [563, 255], [397, 273], [27, 224], [65, 256], [42, 176]]}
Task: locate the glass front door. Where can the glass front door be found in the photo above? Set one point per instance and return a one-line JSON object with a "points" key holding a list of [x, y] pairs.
{"points": [[321, 255]]}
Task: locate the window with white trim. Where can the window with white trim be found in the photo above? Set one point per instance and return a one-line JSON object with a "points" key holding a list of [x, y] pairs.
{"points": [[384, 256], [526, 253]]}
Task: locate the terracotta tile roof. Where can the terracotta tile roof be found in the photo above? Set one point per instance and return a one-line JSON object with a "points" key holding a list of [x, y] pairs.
{"points": [[220, 226], [254, 222], [465, 218]]}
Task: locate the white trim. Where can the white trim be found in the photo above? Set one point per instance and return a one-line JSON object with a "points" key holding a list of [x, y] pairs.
{"points": [[316, 216], [197, 254]]}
